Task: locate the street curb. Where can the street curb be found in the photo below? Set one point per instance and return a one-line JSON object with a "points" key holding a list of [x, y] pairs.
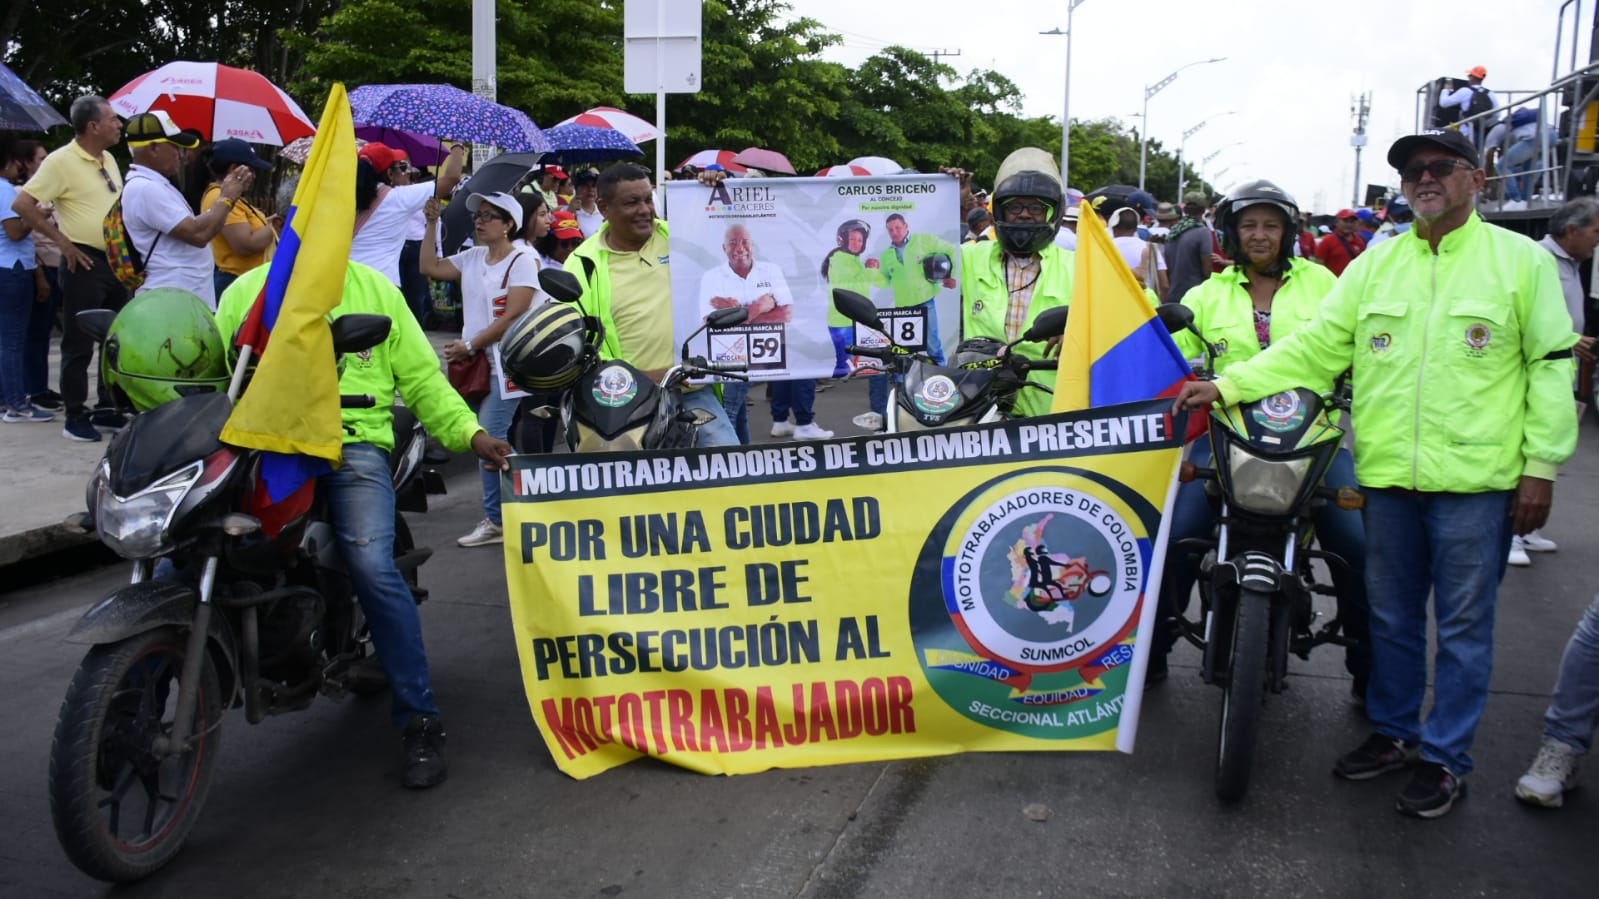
{"points": [[37, 543]]}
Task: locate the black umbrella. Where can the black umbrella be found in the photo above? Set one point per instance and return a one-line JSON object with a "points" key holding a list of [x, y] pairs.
{"points": [[1118, 195], [505, 172]]}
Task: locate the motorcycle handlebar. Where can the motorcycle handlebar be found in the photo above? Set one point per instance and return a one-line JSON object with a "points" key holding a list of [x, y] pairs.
{"points": [[357, 401], [870, 352], [732, 365]]}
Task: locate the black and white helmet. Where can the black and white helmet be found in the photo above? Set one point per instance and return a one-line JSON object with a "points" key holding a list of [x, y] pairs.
{"points": [[1028, 172], [853, 225], [1257, 193], [547, 348]]}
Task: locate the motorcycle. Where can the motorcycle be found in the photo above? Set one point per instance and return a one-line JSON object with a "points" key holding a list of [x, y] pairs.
{"points": [[1256, 581], [261, 616], [613, 406], [979, 386]]}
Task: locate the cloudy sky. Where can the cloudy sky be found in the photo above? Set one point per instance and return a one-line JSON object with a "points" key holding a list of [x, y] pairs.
{"points": [[1290, 73]]}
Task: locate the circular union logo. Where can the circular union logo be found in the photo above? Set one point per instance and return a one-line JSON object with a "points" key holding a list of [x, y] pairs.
{"points": [[1478, 335], [1039, 582], [615, 386], [937, 395], [1280, 411]]}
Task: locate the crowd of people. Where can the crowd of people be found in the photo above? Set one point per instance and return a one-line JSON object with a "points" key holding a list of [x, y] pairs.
{"points": [[1457, 454]]}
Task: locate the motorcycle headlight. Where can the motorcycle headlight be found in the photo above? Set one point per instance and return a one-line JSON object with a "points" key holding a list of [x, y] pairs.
{"points": [[136, 527], [1265, 486]]}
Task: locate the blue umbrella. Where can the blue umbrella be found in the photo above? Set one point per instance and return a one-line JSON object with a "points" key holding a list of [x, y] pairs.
{"points": [[586, 143], [21, 108], [446, 112]]}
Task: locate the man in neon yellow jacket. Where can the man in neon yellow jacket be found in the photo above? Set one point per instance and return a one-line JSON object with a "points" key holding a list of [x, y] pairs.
{"points": [[360, 492], [912, 266], [1022, 272], [1460, 343]]}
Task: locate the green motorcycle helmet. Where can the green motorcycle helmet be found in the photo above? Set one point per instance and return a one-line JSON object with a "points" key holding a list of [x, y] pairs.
{"points": [[163, 345]]}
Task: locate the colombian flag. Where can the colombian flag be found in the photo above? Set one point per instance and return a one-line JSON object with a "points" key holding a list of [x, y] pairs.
{"points": [[1115, 349], [292, 406]]}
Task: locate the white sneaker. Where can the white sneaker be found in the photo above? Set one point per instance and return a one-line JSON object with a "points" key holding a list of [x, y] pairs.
{"points": [[1550, 777], [486, 533], [1535, 542], [812, 431], [871, 421], [1518, 553], [784, 428]]}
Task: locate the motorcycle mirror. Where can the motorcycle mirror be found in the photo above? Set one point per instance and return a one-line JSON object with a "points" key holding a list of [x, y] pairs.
{"points": [[727, 318], [359, 331], [1049, 323], [857, 309], [560, 284], [1175, 316], [96, 323]]}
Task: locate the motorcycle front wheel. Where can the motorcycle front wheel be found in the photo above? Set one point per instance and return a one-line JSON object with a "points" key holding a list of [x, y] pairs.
{"points": [[1242, 696], [121, 811]]}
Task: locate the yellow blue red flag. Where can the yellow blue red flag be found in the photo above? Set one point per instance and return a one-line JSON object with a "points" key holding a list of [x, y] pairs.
{"points": [[292, 405], [1115, 350]]}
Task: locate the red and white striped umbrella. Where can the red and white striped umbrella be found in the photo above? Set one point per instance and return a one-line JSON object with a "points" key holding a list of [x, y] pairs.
{"points": [[843, 171], [216, 100], [637, 130], [703, 158], [878, 165]]}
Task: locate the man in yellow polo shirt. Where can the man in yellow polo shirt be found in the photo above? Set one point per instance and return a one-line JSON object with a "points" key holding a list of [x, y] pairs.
{"points": [[82, 180]]}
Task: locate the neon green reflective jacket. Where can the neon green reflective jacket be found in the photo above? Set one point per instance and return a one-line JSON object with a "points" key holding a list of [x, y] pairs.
{"points": [[591, 263], [985, 298], [909, 280], [846, 270], [405, 362], [1462, 361], [1225, 314]]}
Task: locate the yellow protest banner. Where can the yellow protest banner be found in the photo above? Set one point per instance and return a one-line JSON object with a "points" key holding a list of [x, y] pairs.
{"points": [[738, 609]]}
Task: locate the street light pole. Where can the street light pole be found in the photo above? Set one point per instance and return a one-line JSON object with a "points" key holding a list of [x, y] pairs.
{"points": [[1212, 155], [1066, 106], [1151, 90], [1182, 181]]}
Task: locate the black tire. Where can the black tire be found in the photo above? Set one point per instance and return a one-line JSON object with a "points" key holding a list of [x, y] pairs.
{"points": [[103, 776], [1242, 697]]}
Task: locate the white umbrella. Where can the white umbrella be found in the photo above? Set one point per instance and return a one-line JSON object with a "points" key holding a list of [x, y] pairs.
{"points": [[878, 165], [843, 171]]}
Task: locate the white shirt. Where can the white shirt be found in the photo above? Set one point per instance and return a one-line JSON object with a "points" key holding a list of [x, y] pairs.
{"points": [[1570, 281], [589, 222], [382, 236], [483, 299], [1461, 97], [151, 208], [1066, 238], [764, 278], [1132, 250]]}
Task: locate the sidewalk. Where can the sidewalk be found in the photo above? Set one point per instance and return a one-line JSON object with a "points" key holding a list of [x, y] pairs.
{"points": [[50, 473]]}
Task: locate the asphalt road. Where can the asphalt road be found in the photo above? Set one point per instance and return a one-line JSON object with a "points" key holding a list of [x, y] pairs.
{"points": [[309, 804]]}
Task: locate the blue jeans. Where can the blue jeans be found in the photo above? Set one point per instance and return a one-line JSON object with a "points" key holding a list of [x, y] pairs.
{"points": [[1453, 546], [41, 324], [719, 430], [16, 307], [1574, 710], [842, 338], [494, 416], [221, 280], [361, 503], [798, 396], [877, 393], [935, 344], [1338, 531], [414, 284], [1519, 159], [735, 401]]}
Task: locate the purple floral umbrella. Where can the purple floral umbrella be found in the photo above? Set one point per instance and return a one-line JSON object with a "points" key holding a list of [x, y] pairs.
{"points": [[422, 148], [586, 143], [446, 112]]}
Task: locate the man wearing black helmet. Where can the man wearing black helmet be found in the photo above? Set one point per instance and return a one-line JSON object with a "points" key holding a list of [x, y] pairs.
{"points": [[1022, 272]]}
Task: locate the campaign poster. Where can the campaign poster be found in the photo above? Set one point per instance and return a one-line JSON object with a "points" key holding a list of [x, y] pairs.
{"points": [[779, 246], [736, 609]]}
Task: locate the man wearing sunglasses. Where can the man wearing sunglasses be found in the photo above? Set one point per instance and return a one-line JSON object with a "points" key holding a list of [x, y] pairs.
{"points": [[1461, 346], [1008, 281], [81, 179]]}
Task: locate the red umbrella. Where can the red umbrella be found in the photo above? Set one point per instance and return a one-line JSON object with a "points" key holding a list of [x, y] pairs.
{"points": [[878, 165], [216, 100], [842, 171], [765, 160], [637, 130], [703, 158]]}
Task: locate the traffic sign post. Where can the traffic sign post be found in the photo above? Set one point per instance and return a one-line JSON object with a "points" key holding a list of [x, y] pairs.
{"points": [[661, 55]]}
